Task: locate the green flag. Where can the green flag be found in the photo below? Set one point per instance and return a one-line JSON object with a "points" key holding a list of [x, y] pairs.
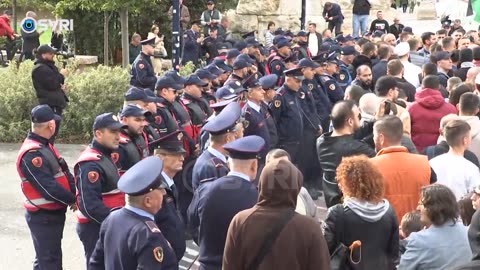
{"points": [[474, 6]]}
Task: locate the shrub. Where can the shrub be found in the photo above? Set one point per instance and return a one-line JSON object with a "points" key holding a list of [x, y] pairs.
{"points": [[91, 92]]}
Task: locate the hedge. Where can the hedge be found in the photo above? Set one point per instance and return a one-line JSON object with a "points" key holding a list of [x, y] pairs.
{"points": [[91, 92]]}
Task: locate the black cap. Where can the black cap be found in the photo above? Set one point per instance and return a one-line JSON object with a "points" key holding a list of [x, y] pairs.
{"points": [[292, 58], [220, 63], [240, 45], [45, 49], [283, 42], [225, 121], [302, 33], [205, 74], [150, 41], [294, 72], [321, 58], [249, 34], [252, 42], [132, 110], [151, 94], [269, 81], [172, 142], [143, 177], [247, 58], [108, 121], [223, 46], [214, 70], [252, 81], [240, 63], [210, 2], [134, 93], [233, 53], [195, 80], [176, 77], [43, 113], [245, 148], [307, 63], [167, 82], [348, 50]]}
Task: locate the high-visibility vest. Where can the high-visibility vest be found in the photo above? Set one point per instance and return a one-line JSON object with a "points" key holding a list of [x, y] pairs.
{"points": [[34, 201], [112, 197]]}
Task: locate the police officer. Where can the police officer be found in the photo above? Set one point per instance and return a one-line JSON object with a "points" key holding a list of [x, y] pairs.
{"points": [[129, 237], [268, 84], [96, 178], [213, 163], [207, 93], [195, 103], [253, 47], [214, 208], [320, 97], [151, 128], [170, 151], [210, 45], [287, 113], [191, 45], [167, 88], [301, 48], [48, 187], [329, 83], [240, 71], [275, 61], [133, 140], [142, 74], [344, 78]]}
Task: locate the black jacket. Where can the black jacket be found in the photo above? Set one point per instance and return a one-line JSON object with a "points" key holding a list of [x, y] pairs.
{"points": [[474, 236], [407, 88], [396, 31], [330, 151], [380, 241], [361, 7], [335, 13], [379, 25], [47, 82]]}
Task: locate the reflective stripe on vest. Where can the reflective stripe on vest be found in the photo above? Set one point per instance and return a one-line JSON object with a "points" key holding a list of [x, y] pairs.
{"points": [[34, 201]]}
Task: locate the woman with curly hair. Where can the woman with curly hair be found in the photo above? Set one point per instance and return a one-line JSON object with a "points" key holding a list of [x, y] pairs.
{"points": [[364, 216]]}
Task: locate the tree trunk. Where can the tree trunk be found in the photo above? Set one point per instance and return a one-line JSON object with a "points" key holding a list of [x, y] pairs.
{"points": [[124, 31], [106, 20]]}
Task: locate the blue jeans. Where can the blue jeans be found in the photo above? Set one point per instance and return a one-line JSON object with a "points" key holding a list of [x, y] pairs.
{"points": [[360, 23]]}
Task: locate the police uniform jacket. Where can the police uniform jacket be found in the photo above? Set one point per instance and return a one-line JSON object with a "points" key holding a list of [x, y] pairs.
{"points": [[333, 90], [311, 119], [224, 198], [321, 101], [152, 131], [344, 78], [209, 46], [142, 74], [208, 166], [256, 124], [166, 119], [129, 240], [271, 125], [276, 66], [191, 49], [131, 150], [287, 114]]}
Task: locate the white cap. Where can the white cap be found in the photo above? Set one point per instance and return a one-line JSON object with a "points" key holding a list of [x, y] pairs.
{"points": [[477, 79], [402, 49]]}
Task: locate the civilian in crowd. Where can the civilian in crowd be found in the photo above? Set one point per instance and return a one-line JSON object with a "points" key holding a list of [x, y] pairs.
{"points": [[184, 15], [474, 229], [396, 28], [452, 83], [354, 92], [379, 24], [380, 68], [332, 13], [410, 223], [314, 39], [465, 206], [361, 11], [364, 213], [364, 78], [134, 48], [466, 62], [210, 18], [415, 57], [411, 71], [468, 109], [269, 34], [396, 69]]}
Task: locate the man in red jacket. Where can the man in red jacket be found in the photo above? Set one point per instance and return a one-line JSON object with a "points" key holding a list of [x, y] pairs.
{"points": [[427, 111], [6, 31]]}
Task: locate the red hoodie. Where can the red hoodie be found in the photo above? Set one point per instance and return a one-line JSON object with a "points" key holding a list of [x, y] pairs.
{"points": [[425, 115], [5, 29]]}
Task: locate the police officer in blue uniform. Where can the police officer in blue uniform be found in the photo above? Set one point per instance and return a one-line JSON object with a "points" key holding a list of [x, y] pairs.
{"points": [[96, 180], [286, 109], [213, 163], [129, 237], [344, 78], [213, 209], [191, 44], [170, 151], [328, 81], [133, 140], [275, 61], [166, 89], [322, 102], [142, 74], [268, 84], [240, 71], [48, 187]]}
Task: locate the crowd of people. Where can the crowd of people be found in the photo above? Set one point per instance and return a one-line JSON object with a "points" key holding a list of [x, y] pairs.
{"points": [[383, 127]]}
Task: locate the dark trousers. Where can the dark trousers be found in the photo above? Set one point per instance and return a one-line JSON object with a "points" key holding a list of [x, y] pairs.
{"points": [[292, 148], [46, 228], [404, 7], [58, 111], [183, 182], [335, 25], [27, 56], [88, 234], [308, 160]]}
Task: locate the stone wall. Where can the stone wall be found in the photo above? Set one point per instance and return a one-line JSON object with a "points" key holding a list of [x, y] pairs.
{"points": [[255, 14]]}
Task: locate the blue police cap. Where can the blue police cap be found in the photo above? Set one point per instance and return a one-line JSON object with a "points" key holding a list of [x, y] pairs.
{"points": [[349, 37], [214, 70], [205, 74], [174, 74], [348, 50], [171, 143], [233, 53], [252, 42], [150, 41], [225, 121], [220, 63], [133, 110], [152, 95], [340, 38], [245, 148], [247, 58], [302, 33], [108, 121], [224, 46], [237, 86], [167, 82], [294, 72], [307, 63], [249, 35], [269, 81], [252, 81], [324, 48], [240, 45], [279, 32], [321, 58], [292, 58], [143, 177], [240, 63], [283, 42], [134, 93], [332, 59], [377, 34], [193, 79], [43, 113], [219, 106], [225, 93]]}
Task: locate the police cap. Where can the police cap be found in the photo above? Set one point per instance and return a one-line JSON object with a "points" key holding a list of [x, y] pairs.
{"points": [[295, 73], [171, 143], [108, 121], [219, 106], [225, 93], [268, 81], [205, 74], [151, 94], [193, 79], [225, 121], [249, 35], [134, 93], [143, 177], [175, 76], [247, 58], [240, 45], [132, 110], [43, 113], [167, 82], [252, 42], [240, 63], [252, 82], [348, 50], [302, 33], [150, 41], [307, 63], [220, 63], [292, 58], [214, 70], [233, 53], [245, 148], [283, 42]]}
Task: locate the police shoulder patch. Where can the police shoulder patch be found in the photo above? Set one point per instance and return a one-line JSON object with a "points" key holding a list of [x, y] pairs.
{"points": [[277, 103], [93, 176], [141, 66], [246, 123], [152, 226], [37, 162], [310, 86], [302, 95], [114, 156], [158, 254], [158, 119], [331, 87], [342, 77], [277, 67]]}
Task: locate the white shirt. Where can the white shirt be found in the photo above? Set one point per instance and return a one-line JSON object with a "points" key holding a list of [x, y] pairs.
{"points": [[219, 155], [457, 173], [253, 106], [241, 175], [411, 72], [313, 43], [139, 212], [169, 180]]}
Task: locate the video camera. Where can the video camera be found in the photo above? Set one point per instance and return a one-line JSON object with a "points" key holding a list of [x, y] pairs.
{"points": [[62, 56]]}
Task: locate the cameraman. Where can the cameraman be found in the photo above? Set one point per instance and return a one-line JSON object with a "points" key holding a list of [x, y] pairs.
{"points": [[49, 83]]}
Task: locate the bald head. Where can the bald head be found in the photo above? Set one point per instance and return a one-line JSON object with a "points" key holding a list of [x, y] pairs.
{"points": [[363, 68], [389, 39], [368, 103]]}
